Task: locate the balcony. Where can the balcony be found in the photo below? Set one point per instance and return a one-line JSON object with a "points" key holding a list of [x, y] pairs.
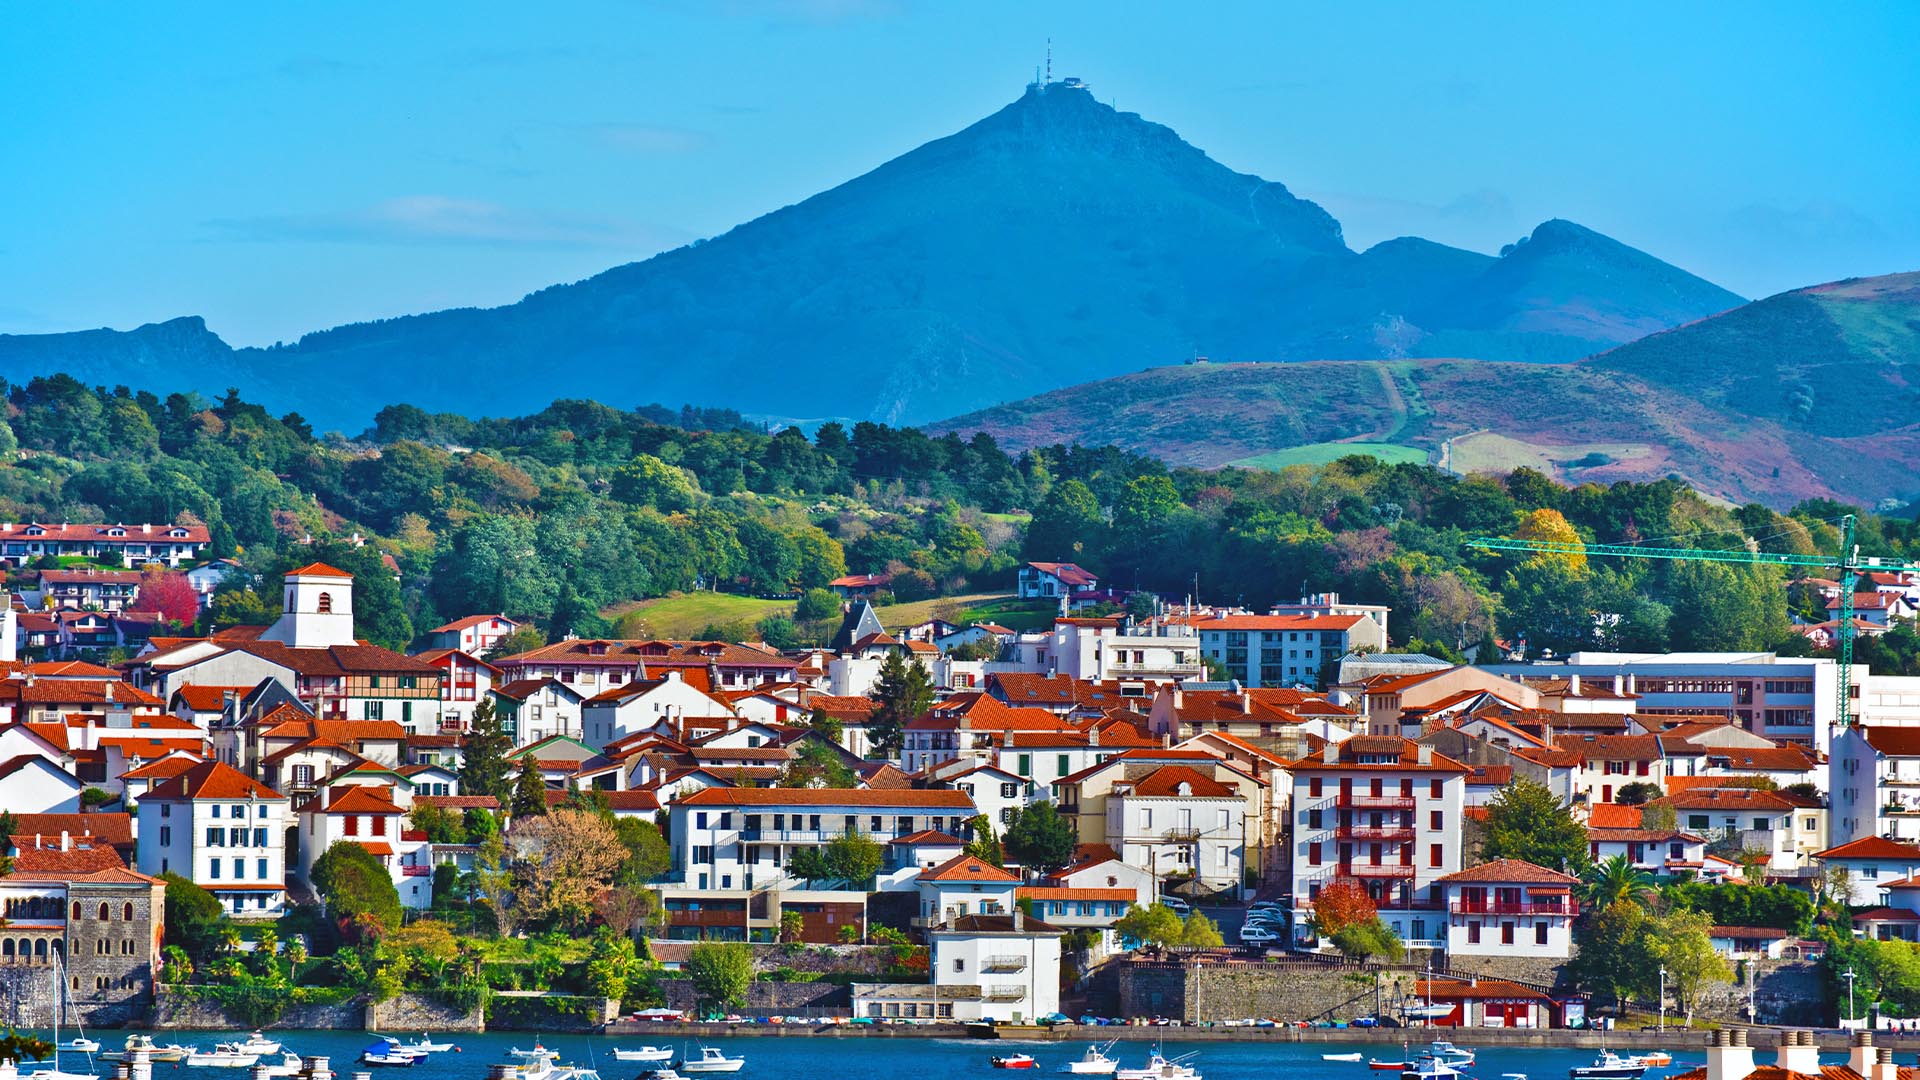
{"points": [[1368, 870], [1374, 802], [1374, 832], [1512, 907], [737, 918], [416, 871], [1181, 836], [1004, 964], [1006, 993]]}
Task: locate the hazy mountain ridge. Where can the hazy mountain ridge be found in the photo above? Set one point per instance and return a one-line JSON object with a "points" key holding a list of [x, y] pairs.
{"points": [[1055, 242]]}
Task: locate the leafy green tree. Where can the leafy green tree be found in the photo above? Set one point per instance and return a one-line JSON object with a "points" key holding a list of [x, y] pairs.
{"points": [[852, 856], [1369, 940], [815, 605], [1613, 958], [356, 888], [484, 769], [17, 1047], [647, 853], [1637, 793], [720, 972], [1067, 526], [1525, 821], [983, 846], [1682, 943], [612, 965], [1154, 925], [817, 765], [1729, 607], [1040, 840], [1200, 930], [648, 481], [194, 918], [809, 864], [529, 790], [903, 692], [829, 727]]}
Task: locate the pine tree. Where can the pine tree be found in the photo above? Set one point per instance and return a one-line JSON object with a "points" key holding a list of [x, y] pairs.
{"points": [[530, 791], [484, 770], [904, 692]]}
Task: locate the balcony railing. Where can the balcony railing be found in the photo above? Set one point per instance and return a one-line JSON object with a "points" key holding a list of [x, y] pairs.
{"points": [[707, 918], [1374, 802], [1374, 832], [1006, 993], [1368, 870], [415, 871], [1004, 963], [1181, 836], [1512, 907]]}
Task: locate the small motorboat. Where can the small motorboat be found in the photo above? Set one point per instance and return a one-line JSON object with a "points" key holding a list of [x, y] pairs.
{"points": [[1340, 1057], [1159, 1068], [711, 1060], [1513, 1076], [222, 1056], [80, 1044], [1432, 1068], [256, 1043], [1608, 1066], [159, 1055], [387, 1053], [1449, 1054], [1097, 1062], [538, 1053], [1015, 1061], [645, 1053], [1387, 1066], [1427, 1012], [1652, 1059], [290, 1065], [424, 1045]]}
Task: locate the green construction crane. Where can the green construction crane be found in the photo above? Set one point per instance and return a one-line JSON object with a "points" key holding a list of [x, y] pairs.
{"points": [[1848, 562]]}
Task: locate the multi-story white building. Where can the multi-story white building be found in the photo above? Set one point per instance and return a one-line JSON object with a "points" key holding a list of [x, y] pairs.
{"points": [[222, 830], [1791, 829], [473, 635], [1786, 699], [590, 666], [964, 885], [1012, 961], [368, 815], [744, 838], [464, 683], [133, 545], [1286, 650], [1872, 863], [1510, 908], [1180, 820], [1873, 784], [1387, 813], [645, 704], [1099, 649]]}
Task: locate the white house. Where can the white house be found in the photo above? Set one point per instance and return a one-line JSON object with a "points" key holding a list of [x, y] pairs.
{"points": [[367, 815], [1050, 581], [473, 635], [1012, 961], [645, 704], [739, 839], [1657, 851], [1872, 863], [534, 709], [32, 784], [1179, 820], [224, 831], [964, 885], [464, 682], [1510, 908]]}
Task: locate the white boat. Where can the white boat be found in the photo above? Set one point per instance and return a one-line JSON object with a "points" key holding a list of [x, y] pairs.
{"points": [[80, 1044], [538, 1053], [1096, 1063], [388, 1053], [290, 1065], [424, 1045], [645, 1053], [711, 1060], [1340, 1057], [1608, 1066], [223, 1056], [1449, 1054], [158, 1055], [1432, 1068], [256, 1043], [1159, 1068]]}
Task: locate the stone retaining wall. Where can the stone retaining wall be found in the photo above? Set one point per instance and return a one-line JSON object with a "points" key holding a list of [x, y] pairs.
{"points": [[176, 1011], [771, 998], [419, 1012], [1192, 993]]}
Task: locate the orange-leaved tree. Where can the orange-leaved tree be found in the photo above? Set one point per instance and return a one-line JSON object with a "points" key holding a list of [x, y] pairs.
{"points": [[1340, 905]]}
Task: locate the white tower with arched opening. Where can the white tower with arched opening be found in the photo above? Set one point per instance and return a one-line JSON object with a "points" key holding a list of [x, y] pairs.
{"points": [[316, 610]]}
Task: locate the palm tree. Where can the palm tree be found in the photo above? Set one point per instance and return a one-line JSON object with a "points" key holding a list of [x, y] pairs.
{"points": [[230, 940], [1617, 879]]}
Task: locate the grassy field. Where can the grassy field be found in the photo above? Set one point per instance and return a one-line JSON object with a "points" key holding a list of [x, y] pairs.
{"points": [[684, 615], [1012, 613], [1485, 451], [1322, 453]]}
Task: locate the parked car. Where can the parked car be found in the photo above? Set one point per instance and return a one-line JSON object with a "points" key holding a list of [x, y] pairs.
{"points": [[1179, 907], [1257, 935]]}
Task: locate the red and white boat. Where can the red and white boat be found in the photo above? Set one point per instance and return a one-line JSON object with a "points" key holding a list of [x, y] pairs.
{"points": [[1015, 1061]]}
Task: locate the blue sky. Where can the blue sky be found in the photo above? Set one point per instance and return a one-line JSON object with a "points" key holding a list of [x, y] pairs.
{"points": [[283, 168]]}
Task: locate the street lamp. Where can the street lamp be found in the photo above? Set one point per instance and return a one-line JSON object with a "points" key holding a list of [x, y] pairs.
{"points": [[1663, 999], [1849, 976]]}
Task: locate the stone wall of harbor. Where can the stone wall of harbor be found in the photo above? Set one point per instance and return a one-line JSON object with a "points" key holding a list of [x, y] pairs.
{"points": [[421, 1012], [176, 1011], [771, 998]]}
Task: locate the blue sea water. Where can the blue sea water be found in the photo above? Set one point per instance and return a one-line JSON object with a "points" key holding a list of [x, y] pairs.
{"points": [[804, 1057]]}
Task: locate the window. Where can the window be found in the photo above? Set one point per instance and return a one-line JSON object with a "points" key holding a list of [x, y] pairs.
{"points": [[1025, 765], [1009, 791], [1434, 855], [166, 835], [1506, 933], [262, 868], [326, 603], [213, 868], [1473, 932], [1433, 789], [1697, 821], [1313, 854], [1436, 820], [959, 963], [215, 834], [700, 820], [1406, 788], [374, 710], [1313, 787], [1061, 768], [105, 914], [239, 869], [236, 838], [215, 810], [260, 837], [1313, 819], [351, 825], [1540, 932]]}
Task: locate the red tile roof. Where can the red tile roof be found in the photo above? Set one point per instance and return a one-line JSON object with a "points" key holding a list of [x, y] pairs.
{"points": [[319, 570], [1068, 573], [1509, 872], [470, 620], [458, 802], [1893, 741], [1405, 754], [1613, 816], [929, 838], [113, 829], [1873, 847], [49, 861], [351, 799], [968, 868], [211, 780], [208, 698], [1481, 990], [134, 533], [1167, 780]]}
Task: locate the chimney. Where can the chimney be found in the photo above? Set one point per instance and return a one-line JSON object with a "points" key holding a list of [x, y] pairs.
{"points": [[1020, 926], [1799, 1052], [109, 691], [1884, 1068], [1425, 752], [1861, 1059], [66, 841], [1728, 1056], [1619, 684], [1573, 686], [1330, 753]]}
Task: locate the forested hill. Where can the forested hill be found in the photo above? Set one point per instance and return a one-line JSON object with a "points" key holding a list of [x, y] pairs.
{"points": [[1053, 242], [565, 515]]}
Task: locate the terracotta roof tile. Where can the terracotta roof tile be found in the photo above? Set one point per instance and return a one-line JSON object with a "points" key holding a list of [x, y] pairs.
{"points": [[849, 797], [211, 780], [1510, 872], [968, 868], [1873, 847]]}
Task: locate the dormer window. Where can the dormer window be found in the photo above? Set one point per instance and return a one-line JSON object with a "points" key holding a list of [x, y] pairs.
{"points": [[116, 532], [177, 532], [35, 530]]}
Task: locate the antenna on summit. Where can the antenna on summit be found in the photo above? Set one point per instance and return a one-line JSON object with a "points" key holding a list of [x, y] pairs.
{"points": [[1049, 81]]}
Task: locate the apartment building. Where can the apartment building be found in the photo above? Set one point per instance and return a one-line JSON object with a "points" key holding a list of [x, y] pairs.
{"points": [[1509, 907], [222, 830], [1286, 650], [1387, 813]]}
